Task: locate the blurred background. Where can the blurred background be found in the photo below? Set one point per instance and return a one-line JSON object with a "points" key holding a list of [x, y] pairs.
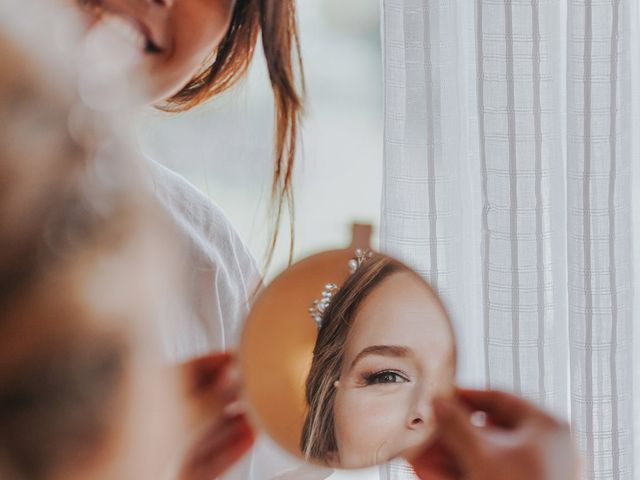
{"points": [[225, 147]]}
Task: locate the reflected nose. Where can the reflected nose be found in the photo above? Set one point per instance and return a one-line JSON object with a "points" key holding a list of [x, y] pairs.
{"points": [[419, 411], [416, 421], [418, 418]]}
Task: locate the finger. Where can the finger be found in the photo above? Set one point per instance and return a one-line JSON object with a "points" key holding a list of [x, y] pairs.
{"points": [[456, 432], [227, 383], [235, 408], [503, 409], [212, 384], [436, 463], [434, 474], [207, 372], [222, 445]]}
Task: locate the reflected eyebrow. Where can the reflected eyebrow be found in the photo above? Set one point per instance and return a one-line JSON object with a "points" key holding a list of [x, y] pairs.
{"points": [[384, 350]]}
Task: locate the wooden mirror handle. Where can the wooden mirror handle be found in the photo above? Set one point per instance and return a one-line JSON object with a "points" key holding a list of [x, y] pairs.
{"points": [[361, 236]]}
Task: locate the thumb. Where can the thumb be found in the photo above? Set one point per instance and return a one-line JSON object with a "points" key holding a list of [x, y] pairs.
{"points": [[435, 463], [456, 432]]}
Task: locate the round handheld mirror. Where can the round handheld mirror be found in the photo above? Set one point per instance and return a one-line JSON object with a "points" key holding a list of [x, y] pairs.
{"points": [[342, 354]]}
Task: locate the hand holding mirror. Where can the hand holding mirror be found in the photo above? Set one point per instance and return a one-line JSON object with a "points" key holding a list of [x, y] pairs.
{"points": [[342, 354]]}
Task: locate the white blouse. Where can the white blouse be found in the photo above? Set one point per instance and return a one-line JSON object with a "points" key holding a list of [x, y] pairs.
{"points": [[222, 273], [222, 279]]}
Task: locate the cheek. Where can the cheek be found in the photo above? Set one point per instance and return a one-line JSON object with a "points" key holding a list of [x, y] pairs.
{"points": [[197, 27], [367, 424]]}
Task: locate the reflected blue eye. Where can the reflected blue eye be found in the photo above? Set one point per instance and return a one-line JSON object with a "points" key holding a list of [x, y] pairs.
{"points": [[386, 376]]}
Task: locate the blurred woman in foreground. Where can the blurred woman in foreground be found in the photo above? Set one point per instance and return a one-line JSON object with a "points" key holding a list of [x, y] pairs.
{"points": [[89, 278]]}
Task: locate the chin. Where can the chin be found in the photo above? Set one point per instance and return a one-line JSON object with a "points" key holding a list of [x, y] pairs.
{"points": [[163, 82], [156, 91]]}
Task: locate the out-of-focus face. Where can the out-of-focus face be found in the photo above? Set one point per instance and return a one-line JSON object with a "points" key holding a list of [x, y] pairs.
{"points": [[92, 284], [93, 322], [398, 355], [132, 409], [173, 420], [170, 39], [127, 292]]}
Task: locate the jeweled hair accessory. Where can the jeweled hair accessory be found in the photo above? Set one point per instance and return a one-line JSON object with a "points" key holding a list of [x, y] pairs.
{"points": [[318, 307]]}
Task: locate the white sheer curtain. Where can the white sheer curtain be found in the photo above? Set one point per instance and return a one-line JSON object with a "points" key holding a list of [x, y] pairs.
{"points": [[511, 183]]}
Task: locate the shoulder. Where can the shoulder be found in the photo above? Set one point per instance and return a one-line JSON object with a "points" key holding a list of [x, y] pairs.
{"points": [[197, 216], [184, 200], [223, 272]]}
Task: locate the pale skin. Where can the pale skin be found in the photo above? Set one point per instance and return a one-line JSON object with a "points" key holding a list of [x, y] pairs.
{"points": [[398, 356]]}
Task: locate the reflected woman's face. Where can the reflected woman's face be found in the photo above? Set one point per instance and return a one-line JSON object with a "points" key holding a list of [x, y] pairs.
{"points": [[398, 355]]}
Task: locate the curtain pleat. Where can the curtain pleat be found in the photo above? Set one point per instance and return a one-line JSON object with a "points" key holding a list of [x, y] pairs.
{"points": [[508, 185], [598, 234]]}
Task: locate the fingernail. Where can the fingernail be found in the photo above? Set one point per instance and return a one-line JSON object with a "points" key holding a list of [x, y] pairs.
{"points": [[228, 384], [478, 419], [235, 409]]}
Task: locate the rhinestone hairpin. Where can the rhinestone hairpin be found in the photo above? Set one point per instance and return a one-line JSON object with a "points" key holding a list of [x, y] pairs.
{"points": [[318, 307], [360, 258]]}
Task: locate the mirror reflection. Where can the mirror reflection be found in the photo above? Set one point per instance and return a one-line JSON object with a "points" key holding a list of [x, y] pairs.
{"points": [[342, 355]]}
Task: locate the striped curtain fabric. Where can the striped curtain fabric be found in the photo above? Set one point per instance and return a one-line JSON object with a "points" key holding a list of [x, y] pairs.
{"points": [[511, 183]]}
